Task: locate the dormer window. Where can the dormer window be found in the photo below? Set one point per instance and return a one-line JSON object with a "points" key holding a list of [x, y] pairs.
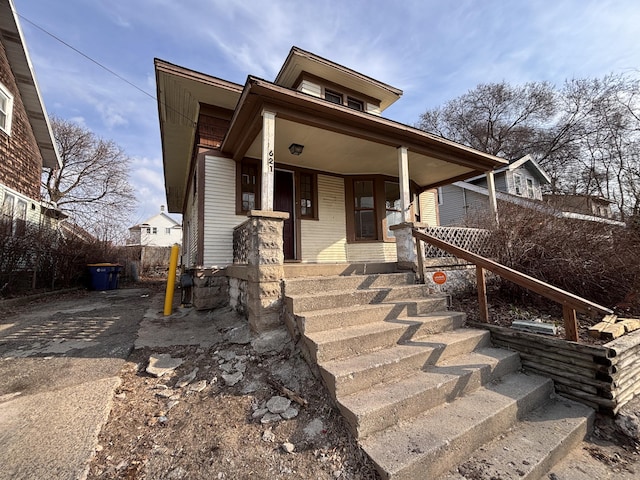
{"points": [[333, 97], [355, 104]]}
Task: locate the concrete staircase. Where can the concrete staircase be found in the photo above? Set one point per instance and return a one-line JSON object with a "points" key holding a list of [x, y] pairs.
{"points": [[425, 397]]}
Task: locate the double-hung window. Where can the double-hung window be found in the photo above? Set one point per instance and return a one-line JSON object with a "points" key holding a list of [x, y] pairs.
{"points": [[6, 109], [364, 210], [333, 97], [393, 210]]}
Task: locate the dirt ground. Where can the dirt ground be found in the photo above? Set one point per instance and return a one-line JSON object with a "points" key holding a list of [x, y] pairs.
{"points": [[213, 425], [157, 430]]}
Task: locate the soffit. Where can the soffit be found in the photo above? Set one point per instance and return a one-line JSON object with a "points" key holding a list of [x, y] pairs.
{"points": [[342, 154], [180, 92]]}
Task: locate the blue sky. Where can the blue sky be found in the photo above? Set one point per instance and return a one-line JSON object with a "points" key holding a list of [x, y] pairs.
{"points": [[433, 50]]}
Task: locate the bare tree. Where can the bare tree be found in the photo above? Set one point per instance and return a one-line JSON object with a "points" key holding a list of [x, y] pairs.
{"points": [[93, 182], [585, 135]]}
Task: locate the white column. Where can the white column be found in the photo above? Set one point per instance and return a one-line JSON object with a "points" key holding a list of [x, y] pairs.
{"points": [[493, 203], [268, 159], [405, 192]]}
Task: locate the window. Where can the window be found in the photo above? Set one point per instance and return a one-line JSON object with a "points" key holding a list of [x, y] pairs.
{"points": [[155, 230], [149, 230], [167, 231], [14, 214], [249, 183], [365, 212], [393, 209], [6, 109], [517, 183], [307, 195], [530, 190], [355, 104], [333, 97]]}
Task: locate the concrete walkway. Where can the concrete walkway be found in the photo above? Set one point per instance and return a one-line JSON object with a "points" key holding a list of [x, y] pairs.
{"points": [[60, 360]]}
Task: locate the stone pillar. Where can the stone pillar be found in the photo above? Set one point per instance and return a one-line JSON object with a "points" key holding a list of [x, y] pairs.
{"points": [[405, 246], [265, 269]]}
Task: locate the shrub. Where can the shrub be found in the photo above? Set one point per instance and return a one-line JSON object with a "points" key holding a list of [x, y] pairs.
{"points": [[594, 260]]}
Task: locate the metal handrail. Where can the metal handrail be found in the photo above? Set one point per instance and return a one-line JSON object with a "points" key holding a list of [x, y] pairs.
{"points": [[569, 301]]}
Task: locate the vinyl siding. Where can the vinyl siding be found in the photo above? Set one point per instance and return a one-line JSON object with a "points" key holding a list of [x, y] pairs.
{"points": [[325, 240], [219, 211], [190, 236], [372, 252], [429, 207], [453, 208]]}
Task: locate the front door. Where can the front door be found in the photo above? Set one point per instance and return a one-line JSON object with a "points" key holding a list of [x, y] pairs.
{"points": [[283, 201]]}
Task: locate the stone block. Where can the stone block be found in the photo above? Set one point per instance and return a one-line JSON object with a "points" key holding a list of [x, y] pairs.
{"points": [[266, 273]]}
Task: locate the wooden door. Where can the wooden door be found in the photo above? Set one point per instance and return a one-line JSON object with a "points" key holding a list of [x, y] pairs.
{"points": [[283, 201]]}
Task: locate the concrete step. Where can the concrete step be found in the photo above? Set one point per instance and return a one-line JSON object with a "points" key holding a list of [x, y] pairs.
{"points": [[321, 301], [384, 405], [434, 442], [313, 285], [298, 270], [531, 447], [330, 318], [353, 340], [346, 376]]}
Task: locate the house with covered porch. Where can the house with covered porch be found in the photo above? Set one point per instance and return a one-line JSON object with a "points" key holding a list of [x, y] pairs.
{"points": [[310, 151], [300, 206]]}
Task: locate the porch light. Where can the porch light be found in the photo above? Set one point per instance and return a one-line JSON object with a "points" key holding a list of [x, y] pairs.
{"points": [[295, 148]]}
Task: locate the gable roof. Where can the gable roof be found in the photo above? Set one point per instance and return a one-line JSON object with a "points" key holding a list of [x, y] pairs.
{"points": [[299, 61], [20, 63], [535, 166]]}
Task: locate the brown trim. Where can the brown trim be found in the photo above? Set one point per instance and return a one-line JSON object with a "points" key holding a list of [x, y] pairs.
{"points": [[337, 88], [379, 205]]}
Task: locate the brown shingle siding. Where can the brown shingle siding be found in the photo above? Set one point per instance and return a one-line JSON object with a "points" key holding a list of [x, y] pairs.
{"points": [[20, 159]]}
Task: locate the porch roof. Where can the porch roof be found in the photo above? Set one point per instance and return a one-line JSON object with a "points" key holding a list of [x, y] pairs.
{"points": [[336, 139]]}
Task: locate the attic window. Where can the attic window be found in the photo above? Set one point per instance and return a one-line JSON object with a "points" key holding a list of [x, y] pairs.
{"points": [[333, 97], [355, 104], [6, 109]]}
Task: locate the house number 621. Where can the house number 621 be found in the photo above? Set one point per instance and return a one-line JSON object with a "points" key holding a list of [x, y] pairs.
{"points": [[271, 160]]}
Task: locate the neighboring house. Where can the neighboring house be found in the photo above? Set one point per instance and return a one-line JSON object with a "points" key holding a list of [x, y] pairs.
{"points": [[313, 144], [519, 183], [521, 179], [581, 204], [26, 140], [158, 231]]}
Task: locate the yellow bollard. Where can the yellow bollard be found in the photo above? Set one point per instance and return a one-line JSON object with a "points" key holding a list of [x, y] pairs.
{"points": [[171, 281]]}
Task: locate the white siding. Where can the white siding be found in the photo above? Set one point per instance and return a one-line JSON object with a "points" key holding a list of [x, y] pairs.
{"points": [[310, 88], [372, 252], [325, 240], [161, 238], [33, 207], [219, 211], [190, 237], [429, 207]]}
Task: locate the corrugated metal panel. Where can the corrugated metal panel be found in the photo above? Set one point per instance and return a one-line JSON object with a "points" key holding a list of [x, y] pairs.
{"points": [[325, 240], [372, 252], [219, 211], [428, 207]]}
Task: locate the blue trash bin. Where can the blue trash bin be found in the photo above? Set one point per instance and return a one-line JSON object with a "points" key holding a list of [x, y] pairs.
{"points": [[104, 276]]}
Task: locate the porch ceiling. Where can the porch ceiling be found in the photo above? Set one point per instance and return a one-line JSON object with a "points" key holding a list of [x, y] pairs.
{"points": [[342, 154]]}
